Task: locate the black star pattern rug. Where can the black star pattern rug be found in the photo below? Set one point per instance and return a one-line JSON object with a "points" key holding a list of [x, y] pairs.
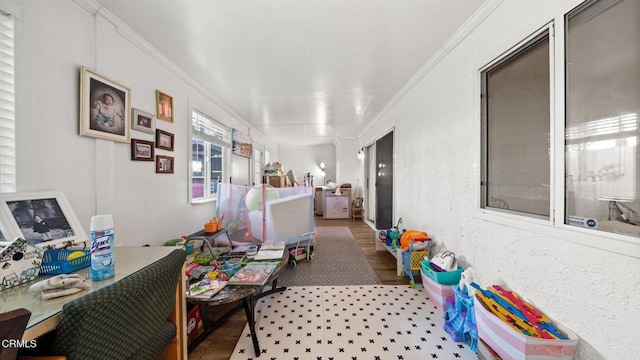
{"points": [[358, 322]]}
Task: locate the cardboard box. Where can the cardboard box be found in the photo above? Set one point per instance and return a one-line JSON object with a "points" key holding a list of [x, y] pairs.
{"points": [[509, 343], [437, 293]]}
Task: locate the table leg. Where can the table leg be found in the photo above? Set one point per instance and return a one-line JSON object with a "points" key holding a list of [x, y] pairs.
{"points": [[210, 326], [249, 304], [274, 289]]}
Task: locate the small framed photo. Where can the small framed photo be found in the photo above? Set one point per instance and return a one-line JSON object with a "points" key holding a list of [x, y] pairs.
{"points": [[164, 140], [44, 218], [164, 164], [143, 121], [164, 106], [141, 150], [104, 107]]}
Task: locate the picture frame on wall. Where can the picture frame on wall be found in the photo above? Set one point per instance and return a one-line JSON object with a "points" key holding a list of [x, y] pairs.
{"points": [[143, 121], [142, 150], [164, 164], [164, 140], [105, 110], [241, 144], [164, 106], [43, 218]]}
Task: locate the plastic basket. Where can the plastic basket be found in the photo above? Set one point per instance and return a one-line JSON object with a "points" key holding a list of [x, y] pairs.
{"points": [[444, 277], [414, 258], [55, 262]]}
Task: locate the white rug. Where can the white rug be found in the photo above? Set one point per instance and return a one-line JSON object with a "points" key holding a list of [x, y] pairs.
{"points": [[350, 322]]}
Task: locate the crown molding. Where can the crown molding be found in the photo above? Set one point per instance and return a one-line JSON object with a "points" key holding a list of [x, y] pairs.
{"points": [[10, 7], [486, 9], [95, 8], [92, 6]]}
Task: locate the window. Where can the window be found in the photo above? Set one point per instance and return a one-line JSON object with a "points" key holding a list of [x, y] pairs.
{"points": [[209, 147], [602, 107], [7, 106], [257, 165], [573, 161], [267, 157], [516, 131]]}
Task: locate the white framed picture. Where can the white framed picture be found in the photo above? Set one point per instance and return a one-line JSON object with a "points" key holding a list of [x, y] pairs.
{"points": [[143, 121], [43, 218]]}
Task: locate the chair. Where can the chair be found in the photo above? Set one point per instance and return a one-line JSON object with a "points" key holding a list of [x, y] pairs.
{"points": [[12, 325], [356, 209], [291, 177], [125, 320]]}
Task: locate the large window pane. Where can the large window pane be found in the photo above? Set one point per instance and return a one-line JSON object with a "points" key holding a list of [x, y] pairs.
{"points": [[516, 107], [216, 167], [209, 141], [602, 106]]}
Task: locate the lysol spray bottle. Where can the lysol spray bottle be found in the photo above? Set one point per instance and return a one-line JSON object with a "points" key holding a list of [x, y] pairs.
{"points": [[102, 247]]}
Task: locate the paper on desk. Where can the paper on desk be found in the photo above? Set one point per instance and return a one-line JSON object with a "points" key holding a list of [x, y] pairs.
{"points": [[266, 254], [205, 289], [272, 246]]}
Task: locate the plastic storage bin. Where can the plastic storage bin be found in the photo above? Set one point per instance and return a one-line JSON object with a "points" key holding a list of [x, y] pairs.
{"points": [[443, 277], [55, 262], [437, 293], [512, 344]]}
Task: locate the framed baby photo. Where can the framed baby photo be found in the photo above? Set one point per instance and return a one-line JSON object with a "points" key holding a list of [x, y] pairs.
{"points": [[164, 164], [164, 140], [143, 121], [141, 150], [164, 106], [105, 110]]}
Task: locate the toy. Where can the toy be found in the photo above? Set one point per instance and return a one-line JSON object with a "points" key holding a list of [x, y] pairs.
{"points": [[383, 236], [253, 201], [411, 260], [412, 235], [460, 320], [444, 261], [519, 314]]}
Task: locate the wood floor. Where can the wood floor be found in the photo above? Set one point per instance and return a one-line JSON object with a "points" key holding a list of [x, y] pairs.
{"points": [[220, 344]]}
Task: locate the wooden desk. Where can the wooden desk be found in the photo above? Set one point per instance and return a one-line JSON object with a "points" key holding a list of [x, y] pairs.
{"points": [[248, 295], [45, 314]]}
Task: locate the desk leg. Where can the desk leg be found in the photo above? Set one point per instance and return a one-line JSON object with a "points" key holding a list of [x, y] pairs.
{"points": [[249, 305]]}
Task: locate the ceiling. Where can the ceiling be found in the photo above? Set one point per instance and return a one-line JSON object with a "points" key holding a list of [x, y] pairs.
{"points": [[302, 72]]}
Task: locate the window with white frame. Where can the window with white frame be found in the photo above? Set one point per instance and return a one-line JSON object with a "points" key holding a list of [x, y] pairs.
{"points": [[602, 106], [516, 130], [267, 157], [257, 165], [595, 127], [209, 148]]}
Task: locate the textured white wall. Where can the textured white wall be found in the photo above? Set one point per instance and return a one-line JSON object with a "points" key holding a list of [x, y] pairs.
{"points": [[55, 38], [593, 292]]}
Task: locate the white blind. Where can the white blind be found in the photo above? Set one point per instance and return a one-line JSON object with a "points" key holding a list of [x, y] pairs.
{"points": [[209, 130], [7, 107]]}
